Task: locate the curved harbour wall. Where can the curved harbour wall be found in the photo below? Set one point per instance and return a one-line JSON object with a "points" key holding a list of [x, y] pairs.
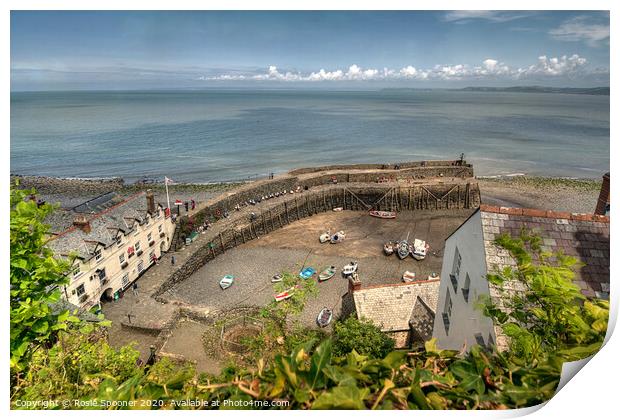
{"points": [[362, 192]]}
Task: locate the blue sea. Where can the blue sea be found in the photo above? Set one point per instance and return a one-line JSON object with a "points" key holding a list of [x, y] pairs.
{"points": [[217, 135]]}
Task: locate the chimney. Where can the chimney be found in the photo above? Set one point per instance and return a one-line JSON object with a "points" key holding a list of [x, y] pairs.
{"points": [[354, 283], [81, 222], [603, 198], [150, 201]]}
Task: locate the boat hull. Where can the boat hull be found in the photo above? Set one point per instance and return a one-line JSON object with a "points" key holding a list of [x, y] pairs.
{"points": [[383, 214]]}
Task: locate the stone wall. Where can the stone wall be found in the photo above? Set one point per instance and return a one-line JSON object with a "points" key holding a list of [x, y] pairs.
{"points": [[293, 207], [76, 186]]}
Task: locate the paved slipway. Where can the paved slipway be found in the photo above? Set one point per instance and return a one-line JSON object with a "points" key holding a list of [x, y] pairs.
{"points": [[284, 250]]}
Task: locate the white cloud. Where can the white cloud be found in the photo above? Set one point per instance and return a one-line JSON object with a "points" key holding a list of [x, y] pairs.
{"points": [[464, 16], [581, 28], [490, 68]]}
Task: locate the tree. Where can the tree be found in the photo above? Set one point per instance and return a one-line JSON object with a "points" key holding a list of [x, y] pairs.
{"points": [[362, 336], [549, 316], [36, 276]]}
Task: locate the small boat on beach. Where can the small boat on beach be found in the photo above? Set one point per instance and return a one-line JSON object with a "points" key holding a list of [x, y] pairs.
{"points": [[324, 317], [433, 277], [285, 294], [403, 249], [337, 237], [277, 278], [350, 268], [388, 248], [408, 276], [419, 249], [337, 209], [226, 281], [328, 273], [383, 214], [325, 237], [307, 272]]}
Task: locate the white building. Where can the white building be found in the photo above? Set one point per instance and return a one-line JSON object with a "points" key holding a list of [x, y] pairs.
{"points": [[470, 254], [113, 246]]}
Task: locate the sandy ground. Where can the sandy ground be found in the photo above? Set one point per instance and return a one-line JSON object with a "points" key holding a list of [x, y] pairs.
{"points": [[287, 249]]}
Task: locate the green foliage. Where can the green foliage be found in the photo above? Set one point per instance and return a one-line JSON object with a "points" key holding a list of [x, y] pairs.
{"points": [[362, 336], [549, 315], [36, 277]]}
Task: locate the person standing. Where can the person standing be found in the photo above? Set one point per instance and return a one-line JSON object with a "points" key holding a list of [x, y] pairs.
{"points": [[193, 204], [173, 259], [186, 206], [134, 288]]}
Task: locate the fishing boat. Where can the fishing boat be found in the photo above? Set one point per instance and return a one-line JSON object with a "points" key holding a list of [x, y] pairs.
{"points": [[433, 277], [328, 273], [388, 248], [403, 249], [307, 272], [419, 249], [324, 317], [285, 294], [408, 276], [337, 237], [337, 209], [226, 281], [383, 214], [277, 278], [325, 237], [350, 268]]}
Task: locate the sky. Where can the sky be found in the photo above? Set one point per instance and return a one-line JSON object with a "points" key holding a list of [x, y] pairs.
{"points": [[66, 50]]}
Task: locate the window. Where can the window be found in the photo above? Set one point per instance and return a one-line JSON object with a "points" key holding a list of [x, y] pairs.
{"points": [[98, 255], [152, 256], [137, 247], [119, 240], [447, 311], [160, 228], [454, 281], [140, 266], [76, 271], [479, 340], [125, 280], [466, 288], [121, 258], [80, 290], [456, 269], [149, 237], [101, 274]]}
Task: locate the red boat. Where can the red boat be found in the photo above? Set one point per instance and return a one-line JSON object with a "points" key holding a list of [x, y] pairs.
{"points": [[383, 214]]}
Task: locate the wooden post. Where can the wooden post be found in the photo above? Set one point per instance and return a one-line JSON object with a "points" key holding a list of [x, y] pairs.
{"points": [[324, 202], [344, 199], [297, 207], [288, 220], [262, 216], [409, 201], [279, 220], [242, 236]]}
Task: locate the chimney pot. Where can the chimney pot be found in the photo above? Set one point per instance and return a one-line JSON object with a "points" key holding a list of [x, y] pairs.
{"points": [[150, 202], [81, 222]]}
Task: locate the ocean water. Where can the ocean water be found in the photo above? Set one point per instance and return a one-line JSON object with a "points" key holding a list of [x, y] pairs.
{"points": [[208, 136]]}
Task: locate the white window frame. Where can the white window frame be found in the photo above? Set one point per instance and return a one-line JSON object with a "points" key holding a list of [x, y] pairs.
{"points": [[121, 257], [136, 247], [98, 254]]}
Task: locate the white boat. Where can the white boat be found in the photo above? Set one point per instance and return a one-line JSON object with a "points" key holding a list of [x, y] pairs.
{"points": [[337, 209], [419, 249], [285, 294], [350, 268], [388, 248], [408, 276], [324, 317], [337, 237], [277, 278], [226, 281], [383, 214], [325, 237], [433, 277]]}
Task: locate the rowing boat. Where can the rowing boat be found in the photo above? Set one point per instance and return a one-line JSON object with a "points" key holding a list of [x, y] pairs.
{"points": [[328, 273], [350, 268], [226, 281], [324, 317], [408, 276], [383, 214]]}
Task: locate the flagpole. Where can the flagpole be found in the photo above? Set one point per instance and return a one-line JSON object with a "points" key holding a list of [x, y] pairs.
{"points": [[167, 195]]}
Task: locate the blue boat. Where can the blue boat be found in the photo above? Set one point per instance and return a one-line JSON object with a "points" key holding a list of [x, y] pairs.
{"points": [[307, 272]]}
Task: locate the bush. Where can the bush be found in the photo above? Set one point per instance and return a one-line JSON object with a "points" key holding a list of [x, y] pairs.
{"points": [[362, 336]]}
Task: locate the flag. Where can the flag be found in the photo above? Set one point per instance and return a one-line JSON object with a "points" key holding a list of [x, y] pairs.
{"points": [[168, 181]]}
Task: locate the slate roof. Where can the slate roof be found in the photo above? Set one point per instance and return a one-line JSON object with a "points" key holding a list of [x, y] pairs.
{"points": [[584, 236], [390, 306], [104, 228]]}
